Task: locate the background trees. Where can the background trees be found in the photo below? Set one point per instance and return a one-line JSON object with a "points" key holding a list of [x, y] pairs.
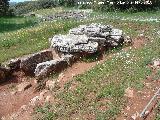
{"points": [[4, 6]]}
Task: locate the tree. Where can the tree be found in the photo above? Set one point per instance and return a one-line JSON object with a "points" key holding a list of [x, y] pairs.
{"points": [[4, 6]]}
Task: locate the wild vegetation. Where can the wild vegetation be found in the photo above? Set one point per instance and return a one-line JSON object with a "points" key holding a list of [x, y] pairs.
{"points": [[100, 91]]}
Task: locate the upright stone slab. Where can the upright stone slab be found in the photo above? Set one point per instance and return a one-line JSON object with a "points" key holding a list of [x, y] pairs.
{"points": [[45, 68], [29, 63], [4, 73]]}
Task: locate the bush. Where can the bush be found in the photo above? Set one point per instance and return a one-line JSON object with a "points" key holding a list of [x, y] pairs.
{"points": [[4, 5], [29, 6]]}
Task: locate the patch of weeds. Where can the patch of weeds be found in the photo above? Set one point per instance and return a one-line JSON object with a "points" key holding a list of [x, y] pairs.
{"points": [[53, 76], [45, 112], [92, 57], [158, 112], [157, 75]]}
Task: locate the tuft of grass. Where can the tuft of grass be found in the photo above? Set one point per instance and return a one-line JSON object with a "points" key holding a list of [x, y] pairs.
{"points": [[44, 113], [15, 23]]}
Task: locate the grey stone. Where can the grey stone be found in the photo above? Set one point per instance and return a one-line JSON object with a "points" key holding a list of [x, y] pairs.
{"points": [[128, 40], [29, 63], [88, 38], [116, 34], [69, 58], [50, 84], [14, 64], [45, 68], [73, 43], [156, 63]]}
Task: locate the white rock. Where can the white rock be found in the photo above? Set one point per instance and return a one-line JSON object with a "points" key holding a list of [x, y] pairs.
{"points": [[42, 94], [135, 116], [50, 84], [48, 99], [129, 93], [156, 63], [34, 100]]}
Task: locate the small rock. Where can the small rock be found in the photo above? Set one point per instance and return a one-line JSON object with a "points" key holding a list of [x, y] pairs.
{"points": [[148, 85], [128, 40], [48, 98], [42, 94], [34, 100], [156, 63], [23, 86], [129, 93], [50, 84], [128, 108], [14, 64], [23, 108], [13, 92], [135, 116], [60, 77]]}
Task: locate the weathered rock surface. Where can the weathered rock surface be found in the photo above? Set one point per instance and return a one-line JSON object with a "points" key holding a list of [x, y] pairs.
{"points": [[156, 63], [70, 59], [73, 43], [4, 73], [29, 63], [88, 38], [14, 64], [45, 68], [50, 84], [74, 14]]}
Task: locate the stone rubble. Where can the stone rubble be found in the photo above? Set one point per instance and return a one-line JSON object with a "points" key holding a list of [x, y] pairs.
{"points": [[29, 63], [88, 38], [74, 14], [66, 49]]}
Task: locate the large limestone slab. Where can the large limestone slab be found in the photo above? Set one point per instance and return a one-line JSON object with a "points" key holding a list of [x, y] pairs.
{"points": [[73, 43]]}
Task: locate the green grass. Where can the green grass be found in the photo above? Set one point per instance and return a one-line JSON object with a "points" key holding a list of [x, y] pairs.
{"points": [[14, 23], [29, 40], [104, 85], [136, 15], [25, 37], [101, 87]]}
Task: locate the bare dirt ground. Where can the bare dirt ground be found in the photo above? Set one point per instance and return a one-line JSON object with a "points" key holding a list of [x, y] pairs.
{"points": [[11, 101], [140, 99]]}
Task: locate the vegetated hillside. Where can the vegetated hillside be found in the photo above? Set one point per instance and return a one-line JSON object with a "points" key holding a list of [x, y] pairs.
{"points": [[35, 37], [99, 93]]}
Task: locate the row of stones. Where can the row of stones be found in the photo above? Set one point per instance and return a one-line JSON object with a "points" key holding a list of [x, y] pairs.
{"points": [[64, 15], [39, 64]]}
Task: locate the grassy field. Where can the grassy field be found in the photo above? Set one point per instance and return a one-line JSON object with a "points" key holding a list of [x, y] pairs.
{"points": [[15, 23], [101, 87], [29, 37]]}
